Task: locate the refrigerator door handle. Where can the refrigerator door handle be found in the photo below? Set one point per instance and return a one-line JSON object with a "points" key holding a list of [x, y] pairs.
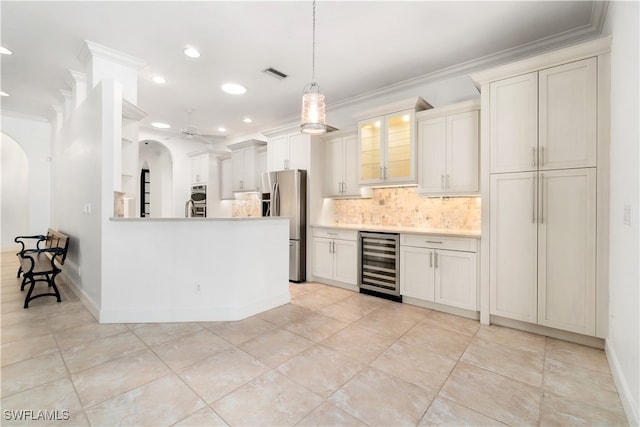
{"points": [[276, 199]]}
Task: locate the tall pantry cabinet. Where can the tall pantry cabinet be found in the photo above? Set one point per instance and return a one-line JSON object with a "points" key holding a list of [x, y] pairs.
{"points": [[545, 189]]}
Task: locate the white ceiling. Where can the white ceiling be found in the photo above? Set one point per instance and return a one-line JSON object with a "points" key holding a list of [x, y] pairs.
{"points": [[361, 46]]}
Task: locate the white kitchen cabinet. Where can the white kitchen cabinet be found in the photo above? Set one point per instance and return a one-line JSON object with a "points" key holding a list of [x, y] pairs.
{"points": [[448, 148], [335, 255], [514, 123], [416, 274], [200, 168], [543, 256], [514, 242], [340, 157], [244, 160], [545, 120], [567, 249], [288, 150], [387, 144], [546, 150], [568, 115], [226, 178], [439, 269]]}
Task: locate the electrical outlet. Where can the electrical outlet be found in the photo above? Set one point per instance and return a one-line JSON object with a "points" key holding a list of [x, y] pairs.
{"points": [[627, 215]]}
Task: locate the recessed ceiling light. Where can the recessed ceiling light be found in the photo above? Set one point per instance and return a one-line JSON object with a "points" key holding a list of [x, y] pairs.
{"points": [[222, 129], [233, 88], [160, 125], [3, 93], [247, 120], [159, 80], [5, 51], [192, 52]]}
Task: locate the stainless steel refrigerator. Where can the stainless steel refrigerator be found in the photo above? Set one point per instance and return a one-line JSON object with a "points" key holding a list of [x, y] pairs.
{"points": [[285, 194]]}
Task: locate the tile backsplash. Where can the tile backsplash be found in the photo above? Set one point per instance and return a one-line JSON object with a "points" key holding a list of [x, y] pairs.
{"points": [[403, 206], [248, 204]]}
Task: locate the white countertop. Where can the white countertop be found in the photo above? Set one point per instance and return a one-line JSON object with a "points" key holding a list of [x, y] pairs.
{"points": [[406, 230], [178, 219]]}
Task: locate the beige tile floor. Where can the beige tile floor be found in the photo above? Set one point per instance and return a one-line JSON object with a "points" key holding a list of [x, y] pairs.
{"points": [[330, 357]]}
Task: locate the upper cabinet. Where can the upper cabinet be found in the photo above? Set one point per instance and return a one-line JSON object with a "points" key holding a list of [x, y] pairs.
{"points": [[245, 166], [546, 119], [199, 168], [448, 143], [340, 156], [288, 149], [226, 178], [387, 144]]}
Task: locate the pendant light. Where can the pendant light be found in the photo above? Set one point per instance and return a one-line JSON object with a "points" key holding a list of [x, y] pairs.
{"points": [[313, 115]]}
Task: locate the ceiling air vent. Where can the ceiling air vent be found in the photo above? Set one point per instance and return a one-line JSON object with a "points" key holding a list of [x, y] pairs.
{"points": [[275, 73]]}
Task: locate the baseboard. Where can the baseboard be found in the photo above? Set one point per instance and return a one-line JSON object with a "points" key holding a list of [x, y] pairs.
{"points": [[474, 315], [89, 304], [549, 332], [630, 407], [193, 314]]}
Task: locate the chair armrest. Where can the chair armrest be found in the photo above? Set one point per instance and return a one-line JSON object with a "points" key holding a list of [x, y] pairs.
{"points": [[23, 239]]}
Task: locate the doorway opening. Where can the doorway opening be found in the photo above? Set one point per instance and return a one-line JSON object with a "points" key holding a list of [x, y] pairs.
{"points": [[145, 193]]}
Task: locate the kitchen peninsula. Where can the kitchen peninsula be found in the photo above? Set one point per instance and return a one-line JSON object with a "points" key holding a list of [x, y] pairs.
{"points": [[194, 269]]}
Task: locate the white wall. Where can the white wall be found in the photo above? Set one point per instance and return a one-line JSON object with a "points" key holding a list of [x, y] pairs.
{"points": [[623, 343], [15, 192], [34, 137], [83, 185]]}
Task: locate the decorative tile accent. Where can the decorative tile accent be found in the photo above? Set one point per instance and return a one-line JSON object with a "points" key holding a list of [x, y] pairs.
{"points": [[403, 206]]}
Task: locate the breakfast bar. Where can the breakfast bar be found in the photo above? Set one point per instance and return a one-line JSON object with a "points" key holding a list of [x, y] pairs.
{"points": [[193, 269]]}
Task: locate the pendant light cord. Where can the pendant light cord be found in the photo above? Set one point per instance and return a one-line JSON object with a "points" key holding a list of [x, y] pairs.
{"points": [[313, 48]]}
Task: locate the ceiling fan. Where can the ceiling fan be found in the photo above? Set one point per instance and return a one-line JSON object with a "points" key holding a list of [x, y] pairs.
{"points": [[190, 131]]}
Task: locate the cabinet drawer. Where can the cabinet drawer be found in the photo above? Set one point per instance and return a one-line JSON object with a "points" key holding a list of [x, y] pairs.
{"points": [[332, 233], [439, 242]]}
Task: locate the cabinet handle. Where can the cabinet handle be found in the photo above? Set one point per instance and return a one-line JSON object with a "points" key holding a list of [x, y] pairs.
{"points": [[436, 259], [442, 181], [334, 246], [542, 156], [533, 156], [533, 199], [446, 182], [433, 241], [430, 259], [381, 173], [541, 198], [384, 176]]}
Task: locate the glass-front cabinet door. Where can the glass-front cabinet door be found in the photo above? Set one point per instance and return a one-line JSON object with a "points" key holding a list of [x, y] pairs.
{"points": [[387, 148], [399, 157], [370, 135]]}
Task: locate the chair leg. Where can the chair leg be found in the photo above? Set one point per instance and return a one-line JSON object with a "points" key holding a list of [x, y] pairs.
{"points": [[28, 298], [19, 272], [24, 282], [52, 283]]}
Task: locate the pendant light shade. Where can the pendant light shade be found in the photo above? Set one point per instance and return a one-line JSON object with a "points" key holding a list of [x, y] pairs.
{"points": [[313, 115], [313, 106]]}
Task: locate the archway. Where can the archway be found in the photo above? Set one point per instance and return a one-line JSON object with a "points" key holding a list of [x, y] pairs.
{"points": [[155, 158], [15, 191]]}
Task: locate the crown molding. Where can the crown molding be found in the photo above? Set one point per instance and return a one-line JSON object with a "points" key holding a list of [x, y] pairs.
{"points": [[132, 112], [90, 49], [572, 53]]}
